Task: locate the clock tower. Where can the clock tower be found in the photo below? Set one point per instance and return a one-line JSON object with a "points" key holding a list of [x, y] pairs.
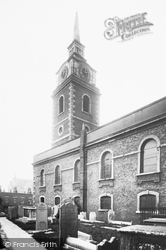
{"points": [[76, 97]]}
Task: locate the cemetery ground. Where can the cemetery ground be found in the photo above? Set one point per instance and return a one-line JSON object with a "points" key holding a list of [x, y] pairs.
{"points": [[97, 230], [69, 231], [144, 237], [44, 229]]}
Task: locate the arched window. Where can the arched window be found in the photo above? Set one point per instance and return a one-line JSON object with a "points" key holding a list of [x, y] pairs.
{"points": [[149, 156], [86, 104], [61, 104], [57, 200], [106, 165], [42, 199], [147, 200], [57, 175], [106, 202], [77, 171], [42, 178]]}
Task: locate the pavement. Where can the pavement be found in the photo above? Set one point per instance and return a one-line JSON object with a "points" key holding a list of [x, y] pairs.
{"points": [[18, 238]]}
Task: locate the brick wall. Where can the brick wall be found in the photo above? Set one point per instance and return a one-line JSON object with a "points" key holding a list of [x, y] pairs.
{"points": [[16, 199], [60, 119], [124, 186], [93, 117], [67, 171]]}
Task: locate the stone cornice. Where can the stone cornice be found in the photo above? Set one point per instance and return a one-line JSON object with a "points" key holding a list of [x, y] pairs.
{"points": [[74, 79]]}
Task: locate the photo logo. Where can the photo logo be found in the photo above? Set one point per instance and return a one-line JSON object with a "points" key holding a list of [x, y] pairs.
{"points": [[7, 244], [126, 28]]}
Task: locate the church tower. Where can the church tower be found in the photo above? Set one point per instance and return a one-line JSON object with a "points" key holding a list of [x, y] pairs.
{"points": [[76, 97]]}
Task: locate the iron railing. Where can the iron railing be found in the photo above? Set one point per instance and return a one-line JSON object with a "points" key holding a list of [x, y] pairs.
{"points": [[157, 212]]}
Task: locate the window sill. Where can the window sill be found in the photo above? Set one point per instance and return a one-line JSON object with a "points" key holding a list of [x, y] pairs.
{"points": [[106, 182], [88, 113], [76, 185], [42, 188], [149, 173], [57, 187], [147, 177], [139, 212], [103, 210], [61, 113], [111, 178]]}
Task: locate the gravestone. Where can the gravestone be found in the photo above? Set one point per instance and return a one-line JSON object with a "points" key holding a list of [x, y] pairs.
{"points": [[82, 216], [20, 211], [68, 223], [1, 208], [112, 244], [41, 217], [111, 216], [55, 210], [92, 216]]}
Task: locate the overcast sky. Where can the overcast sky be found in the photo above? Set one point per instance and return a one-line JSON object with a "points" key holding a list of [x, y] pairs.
{"points": [[34, 36]]}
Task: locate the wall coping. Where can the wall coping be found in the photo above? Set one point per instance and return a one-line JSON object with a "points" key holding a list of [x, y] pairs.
{"points": [[149, 230], [147, 114]]}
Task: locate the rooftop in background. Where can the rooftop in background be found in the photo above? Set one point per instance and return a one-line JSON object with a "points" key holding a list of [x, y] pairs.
{"points": [[22, 185]]}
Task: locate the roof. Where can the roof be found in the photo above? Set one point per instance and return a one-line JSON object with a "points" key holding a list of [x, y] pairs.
{"points": [[58, 151], [141, 117], [21, 184]]}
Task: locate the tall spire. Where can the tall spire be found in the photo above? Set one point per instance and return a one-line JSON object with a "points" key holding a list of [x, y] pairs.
{"points": [[76, 47], [76, 35]]}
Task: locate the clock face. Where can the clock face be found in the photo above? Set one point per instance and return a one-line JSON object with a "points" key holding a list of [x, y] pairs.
{"points": [[64, 72], [84, 73]]}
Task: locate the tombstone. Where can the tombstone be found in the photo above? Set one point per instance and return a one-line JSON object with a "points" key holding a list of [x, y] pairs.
{"points": [[20, 211], [112, 244], [55, 210], [82, 216], [1, 208], [111, 216], [14, 212], [41, 217], [85, 236], [92, 216], [49, 211], [68, 223]]}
